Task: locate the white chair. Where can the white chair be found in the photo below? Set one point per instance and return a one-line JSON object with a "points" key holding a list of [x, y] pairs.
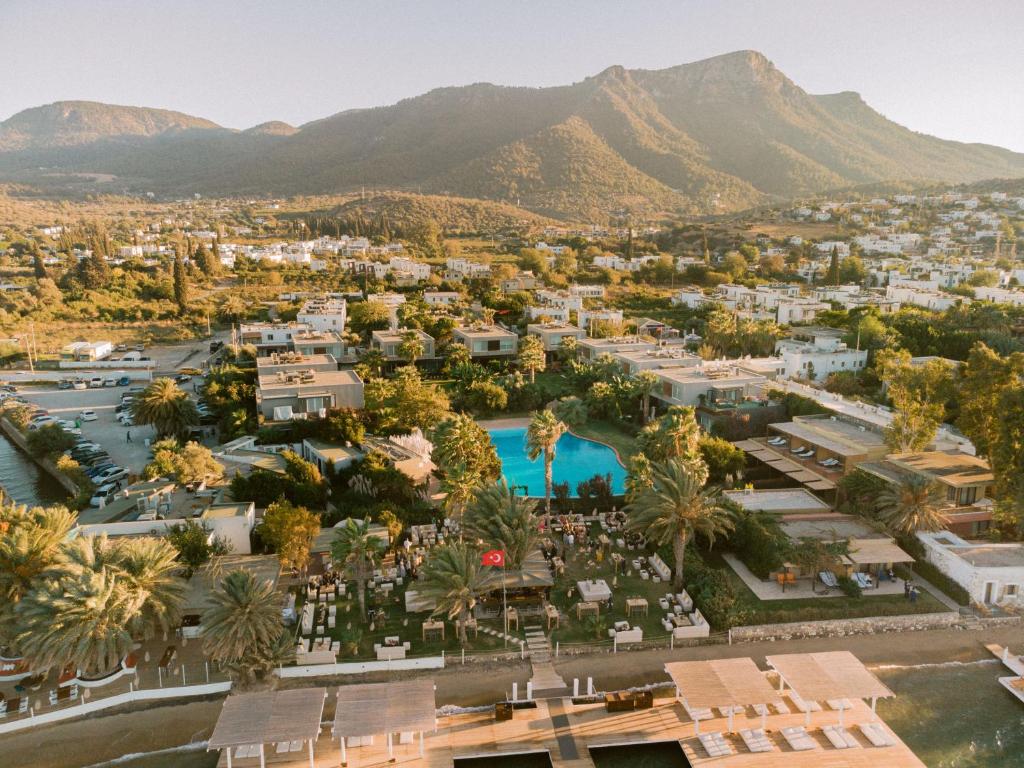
{"points": [[798, 739], [839, 737]]}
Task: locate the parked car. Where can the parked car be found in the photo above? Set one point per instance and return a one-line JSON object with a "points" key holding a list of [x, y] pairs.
{"points": [[126, 419], [63, 384], [215, 345], [88, 415], [111, 382], [113, 473], [78, 384], [42, 421], [124, 381], [121, 348], [139, 347], [103, 494], [96, 382]]}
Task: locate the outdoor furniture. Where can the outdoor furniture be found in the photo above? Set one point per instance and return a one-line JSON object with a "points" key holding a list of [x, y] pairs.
{"points": [[433, 630], [798, 739], [756, 740], [503, 710], [551, 612], [874, 733], [472, 625], [715, 744], [588, 608], [637, 604], [594, 590], [839, 737]]}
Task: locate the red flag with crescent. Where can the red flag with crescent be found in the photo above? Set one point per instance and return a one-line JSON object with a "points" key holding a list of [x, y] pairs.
{"points": [[495, 557]]}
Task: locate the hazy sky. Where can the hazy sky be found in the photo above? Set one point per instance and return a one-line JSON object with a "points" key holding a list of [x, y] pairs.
{"points": [[953, 68]]}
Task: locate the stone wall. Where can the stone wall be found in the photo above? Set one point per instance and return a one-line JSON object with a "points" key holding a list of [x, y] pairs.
{"points": [[841, 627]]}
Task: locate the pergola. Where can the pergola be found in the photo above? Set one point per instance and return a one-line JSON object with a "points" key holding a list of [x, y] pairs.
{"points": [[828, 676], [722, 683], [250, 720], [370, 709]]}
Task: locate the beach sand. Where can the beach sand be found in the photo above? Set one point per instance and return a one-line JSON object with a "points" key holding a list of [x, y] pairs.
{"points": [[92, 740]]}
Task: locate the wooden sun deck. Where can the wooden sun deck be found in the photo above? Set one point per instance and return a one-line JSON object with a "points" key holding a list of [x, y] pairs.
{"points": [[1013, 683], [565, 731]]}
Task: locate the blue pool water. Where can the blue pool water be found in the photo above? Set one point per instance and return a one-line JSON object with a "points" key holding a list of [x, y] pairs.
{"points": [[576, 460]]}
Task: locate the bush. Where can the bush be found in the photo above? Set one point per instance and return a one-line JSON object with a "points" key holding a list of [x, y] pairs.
{"points": [[711, 590], [849, 587], [759, 543], [49, 441], [796, 405]]}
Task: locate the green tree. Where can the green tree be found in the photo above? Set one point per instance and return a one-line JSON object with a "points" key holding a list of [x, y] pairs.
{"points": [[919, 395], [404, 402], [676, 507], [572, 411], [242, 628], [542, 436], [49, 441], [189, 463], [167, 407], [195, 545], [357, 551], [290, 530], [499, 519], [674, 435], [832, 275], [368, 316], [411, 349], [725, 462], [454, 580], [459, 441], [852, 270], [911, 505], [180, 283], [646, 382], [983, 379], [531, 356]]}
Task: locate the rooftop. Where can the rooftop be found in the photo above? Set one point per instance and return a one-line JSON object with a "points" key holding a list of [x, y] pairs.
{"points": [[310, 378], [992, 555], [781, 500], [833, 434], [949, 466], [482, 330]]}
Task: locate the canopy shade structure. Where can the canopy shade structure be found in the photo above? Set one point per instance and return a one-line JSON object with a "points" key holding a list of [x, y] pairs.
{"points": [[721, 683], [875, 551], [269, 716], [375, 708], [533, 574], [828, 675]]}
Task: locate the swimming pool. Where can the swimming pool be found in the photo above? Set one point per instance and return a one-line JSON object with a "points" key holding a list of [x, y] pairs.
{"points": [[576, 460]]}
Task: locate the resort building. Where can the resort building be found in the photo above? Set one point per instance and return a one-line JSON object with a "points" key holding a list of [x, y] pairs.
{"points": [[299, 386], [591, 349], [814, 353], [710, 384], [966, 482], [782, 501], [547, 313], [585, 318], [324, 314], [485, 341], [441, 298], [389, 343], [635, 360], [552, 335], [327, 455], [992, 574]]}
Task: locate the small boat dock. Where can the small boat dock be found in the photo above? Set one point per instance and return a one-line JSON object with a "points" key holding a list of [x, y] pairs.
{"points": [[1015, 662]]}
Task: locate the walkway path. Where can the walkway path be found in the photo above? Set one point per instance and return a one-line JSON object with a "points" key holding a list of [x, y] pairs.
{"points": [[546, 681]]}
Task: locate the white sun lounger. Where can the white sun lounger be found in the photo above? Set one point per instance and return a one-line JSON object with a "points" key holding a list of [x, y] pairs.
{"points": [[281, 746], [699, 713], [840, 737], [838, 704], [724, 711], [804, 706], [874, 733], [756, 740], [295, 746], [715, 744], [798, 739]]}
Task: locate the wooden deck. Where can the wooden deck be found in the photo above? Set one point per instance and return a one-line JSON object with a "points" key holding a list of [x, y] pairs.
{"points": [[565, 731], [1013, 683]]}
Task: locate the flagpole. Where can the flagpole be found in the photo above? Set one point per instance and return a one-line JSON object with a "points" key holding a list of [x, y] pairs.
{"points": [[504, 599]]}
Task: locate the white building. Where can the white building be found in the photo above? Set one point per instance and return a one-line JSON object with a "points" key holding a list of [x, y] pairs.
{"points": [[937, 302], [999, 296], [324, 314], [690, 297], [585, 318], [814, 353], [992, 574], [441, 298]]}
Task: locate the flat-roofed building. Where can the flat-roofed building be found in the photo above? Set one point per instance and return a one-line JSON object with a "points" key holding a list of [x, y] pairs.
{"points": [[304, 388], [233, 522], [484, 341], [324, 314], [992, 574], [441, 298], [591, 349], [780, 501], [390, 342], [548, 313], [326, 454], [829, 438], [709, 384], [633, 361], [552, 335]]}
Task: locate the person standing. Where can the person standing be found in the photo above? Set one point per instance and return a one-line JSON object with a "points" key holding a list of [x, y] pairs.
{"points": [[128, 435]]}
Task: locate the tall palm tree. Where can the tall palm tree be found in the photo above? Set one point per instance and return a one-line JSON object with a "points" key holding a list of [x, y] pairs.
{"points": [[150, 568], [30, 542], [242, 618], [500, 519], [82, 621], [460, 484], [541, 438], [460, 440], [411, 347], [676, 507], [646, 382], [357, 551], [374, 361], [167, 407], [454, 579], [233, 307], [912, 505]]}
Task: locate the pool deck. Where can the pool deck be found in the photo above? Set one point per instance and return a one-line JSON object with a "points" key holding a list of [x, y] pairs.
{"points": [[521, 422], [565, 731]]}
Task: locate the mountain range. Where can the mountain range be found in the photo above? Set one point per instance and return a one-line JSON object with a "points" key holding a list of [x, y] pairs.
{"points": [[716, 135]]}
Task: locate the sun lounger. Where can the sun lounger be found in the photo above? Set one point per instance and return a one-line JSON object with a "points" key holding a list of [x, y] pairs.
{"points": [[698, 713], [828, 579], [724, 711], [838, 704], [756, 740], [874, 733], [798, 739], [281, 747], [715, 744], [840, 737], [295, 746]]}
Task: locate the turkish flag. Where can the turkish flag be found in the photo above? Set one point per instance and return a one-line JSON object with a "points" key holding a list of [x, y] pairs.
{"points": [[495, 557]]}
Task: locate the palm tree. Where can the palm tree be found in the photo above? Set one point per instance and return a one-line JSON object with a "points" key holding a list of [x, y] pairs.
{"points": [[242, 621], [150, 568], [676, 507], [460, 484], [454, 580], [29, 544], [357, 551], [912, 505], [500, 519], [411, 347], [674, 436], [541, 437], [646, 383], [82, 621], [233, 307], [572, 411], [460, 440], [167, 407]]}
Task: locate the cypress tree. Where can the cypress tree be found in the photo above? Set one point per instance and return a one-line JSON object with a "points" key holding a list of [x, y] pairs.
{"points": [[180, 283], [832, 276], [37, 262]]}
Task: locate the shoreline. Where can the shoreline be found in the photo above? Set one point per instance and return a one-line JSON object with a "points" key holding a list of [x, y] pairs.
{"points": [[88, 741]]}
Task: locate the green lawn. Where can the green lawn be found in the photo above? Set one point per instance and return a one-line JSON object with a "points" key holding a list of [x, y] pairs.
{"points": [[617, 437], [757, 611]]}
